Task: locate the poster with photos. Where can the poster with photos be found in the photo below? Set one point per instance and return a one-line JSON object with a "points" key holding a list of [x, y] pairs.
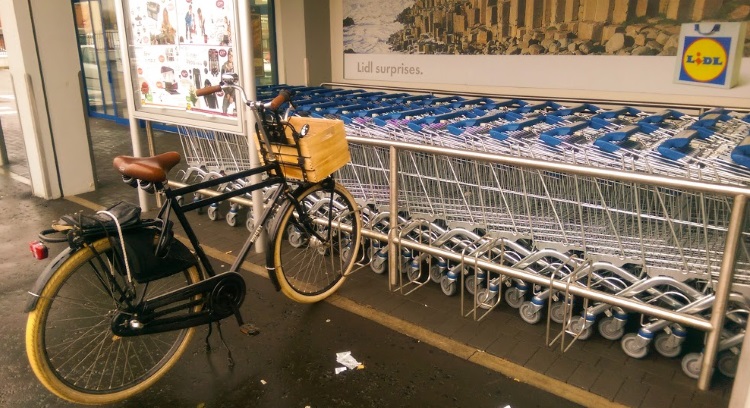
{"points": [[179, 46]]}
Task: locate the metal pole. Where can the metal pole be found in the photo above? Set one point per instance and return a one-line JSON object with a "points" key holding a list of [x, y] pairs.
{"points": [[247, 67], [3, 151], [129, 96], [151, 151], [568, 169], [726, 275], [393, 227]]}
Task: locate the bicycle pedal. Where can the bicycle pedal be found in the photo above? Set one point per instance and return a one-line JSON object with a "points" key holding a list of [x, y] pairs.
{"points": [[249, 329]]}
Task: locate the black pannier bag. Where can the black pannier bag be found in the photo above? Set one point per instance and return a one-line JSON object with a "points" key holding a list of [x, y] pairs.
{"points": [[145, 265]]}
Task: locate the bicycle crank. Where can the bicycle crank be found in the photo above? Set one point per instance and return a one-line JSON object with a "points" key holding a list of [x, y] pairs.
{"points": [[207, 301]]}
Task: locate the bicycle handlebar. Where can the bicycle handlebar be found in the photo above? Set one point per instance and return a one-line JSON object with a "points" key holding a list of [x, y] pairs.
{"points": [[283, 96], [208, 90]]}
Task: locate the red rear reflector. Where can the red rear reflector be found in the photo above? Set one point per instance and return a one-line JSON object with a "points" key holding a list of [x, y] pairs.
{"points": [[39, 250]]}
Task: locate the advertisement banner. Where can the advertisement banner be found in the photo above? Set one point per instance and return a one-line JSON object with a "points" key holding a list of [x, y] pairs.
{"points": [[177, 47]]}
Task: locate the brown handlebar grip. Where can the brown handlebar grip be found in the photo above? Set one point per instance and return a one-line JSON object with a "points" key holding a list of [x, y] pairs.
{"points": [[279, 100], [208, 90]]}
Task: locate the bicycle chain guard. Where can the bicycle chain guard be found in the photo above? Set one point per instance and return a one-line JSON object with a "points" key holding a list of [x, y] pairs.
{"points": [[207, 301]]}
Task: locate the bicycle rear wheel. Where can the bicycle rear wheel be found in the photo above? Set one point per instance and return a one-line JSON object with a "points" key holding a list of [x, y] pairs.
{"points": [[311, 267], [69, 340]]}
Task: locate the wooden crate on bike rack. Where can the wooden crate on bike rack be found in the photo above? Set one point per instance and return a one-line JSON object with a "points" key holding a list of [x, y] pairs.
{"points": [[324, 149]]}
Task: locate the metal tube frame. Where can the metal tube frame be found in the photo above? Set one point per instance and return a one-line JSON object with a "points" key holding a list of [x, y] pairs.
{"points": [[712, 327]]}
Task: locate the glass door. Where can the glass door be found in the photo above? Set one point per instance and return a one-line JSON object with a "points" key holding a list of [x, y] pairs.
{"points": [[98, 42]]}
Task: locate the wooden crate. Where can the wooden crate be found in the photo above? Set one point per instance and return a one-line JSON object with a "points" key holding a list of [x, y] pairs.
{"points": [[324, 149]]}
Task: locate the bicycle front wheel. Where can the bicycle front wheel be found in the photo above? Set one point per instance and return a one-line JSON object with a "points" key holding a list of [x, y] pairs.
{"points": [[69, 339], [310, 266]]}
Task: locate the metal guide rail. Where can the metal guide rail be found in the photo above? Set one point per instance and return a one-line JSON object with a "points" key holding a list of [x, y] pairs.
{"points": [[627, 240]]}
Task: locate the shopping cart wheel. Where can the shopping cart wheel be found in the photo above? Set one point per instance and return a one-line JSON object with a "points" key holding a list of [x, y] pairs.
{"points": [[578, 324], [213, 213], [295, 237], [610, 329], [448, 286], [631, 347], [514, 298], [727, 364], [469, 284], [379, 264], [414, 274], [666, 347], [528, 314], [436, 273], [691, 365], [231, 219], [557, 312], [198, 197], [486, 299]]}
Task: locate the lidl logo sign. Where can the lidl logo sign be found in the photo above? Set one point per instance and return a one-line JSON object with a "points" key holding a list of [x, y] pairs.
{"points": [[704, 60]]}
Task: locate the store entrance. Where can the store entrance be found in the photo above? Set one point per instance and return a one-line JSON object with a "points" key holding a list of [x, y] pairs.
{"points": [[99, 45], [98, 42]]}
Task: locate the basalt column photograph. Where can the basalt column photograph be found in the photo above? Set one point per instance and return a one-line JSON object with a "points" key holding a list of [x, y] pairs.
{"points": [[529, 27]]}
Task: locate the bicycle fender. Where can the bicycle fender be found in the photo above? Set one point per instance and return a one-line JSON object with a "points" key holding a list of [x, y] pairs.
{"points": [[45, 276]]}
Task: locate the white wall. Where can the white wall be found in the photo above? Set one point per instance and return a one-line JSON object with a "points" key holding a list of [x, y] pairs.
{"points": [[290, 41]]}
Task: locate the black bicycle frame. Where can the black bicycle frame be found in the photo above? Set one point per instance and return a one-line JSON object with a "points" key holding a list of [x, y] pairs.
{"points": [[179, 210]]}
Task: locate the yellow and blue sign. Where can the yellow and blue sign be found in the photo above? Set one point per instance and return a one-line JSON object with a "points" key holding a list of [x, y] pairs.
{"points": [[705, 60]]}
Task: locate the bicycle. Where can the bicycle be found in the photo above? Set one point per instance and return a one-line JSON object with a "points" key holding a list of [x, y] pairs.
{"points": [[115, 310]]}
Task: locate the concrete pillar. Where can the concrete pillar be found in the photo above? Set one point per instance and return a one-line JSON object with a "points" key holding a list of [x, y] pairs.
{"points": [[41, 39]]}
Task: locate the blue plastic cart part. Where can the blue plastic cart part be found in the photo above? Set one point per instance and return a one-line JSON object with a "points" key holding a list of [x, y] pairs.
{"points": [[351, 107], [741, 153], [614, 113], [610, 142], [501, 132], [371, 96], [544, 106], [416, 99], [473, 103], [676, 147], [322, 106], [551, 137], [581, 108], [662, 116], [419, 123], [458, 127], [708, 120], [382, 120]]}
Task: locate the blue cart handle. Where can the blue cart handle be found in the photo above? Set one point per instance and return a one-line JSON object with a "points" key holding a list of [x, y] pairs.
{"points": [[741, 153], [674, 147], [609, 142]]}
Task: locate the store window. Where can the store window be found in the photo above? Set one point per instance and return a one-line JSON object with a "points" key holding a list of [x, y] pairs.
{"points": [[98, 41], [264, 42]]}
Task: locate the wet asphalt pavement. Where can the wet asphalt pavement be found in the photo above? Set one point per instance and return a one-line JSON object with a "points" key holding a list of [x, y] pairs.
{"points": [[290, 364]]}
